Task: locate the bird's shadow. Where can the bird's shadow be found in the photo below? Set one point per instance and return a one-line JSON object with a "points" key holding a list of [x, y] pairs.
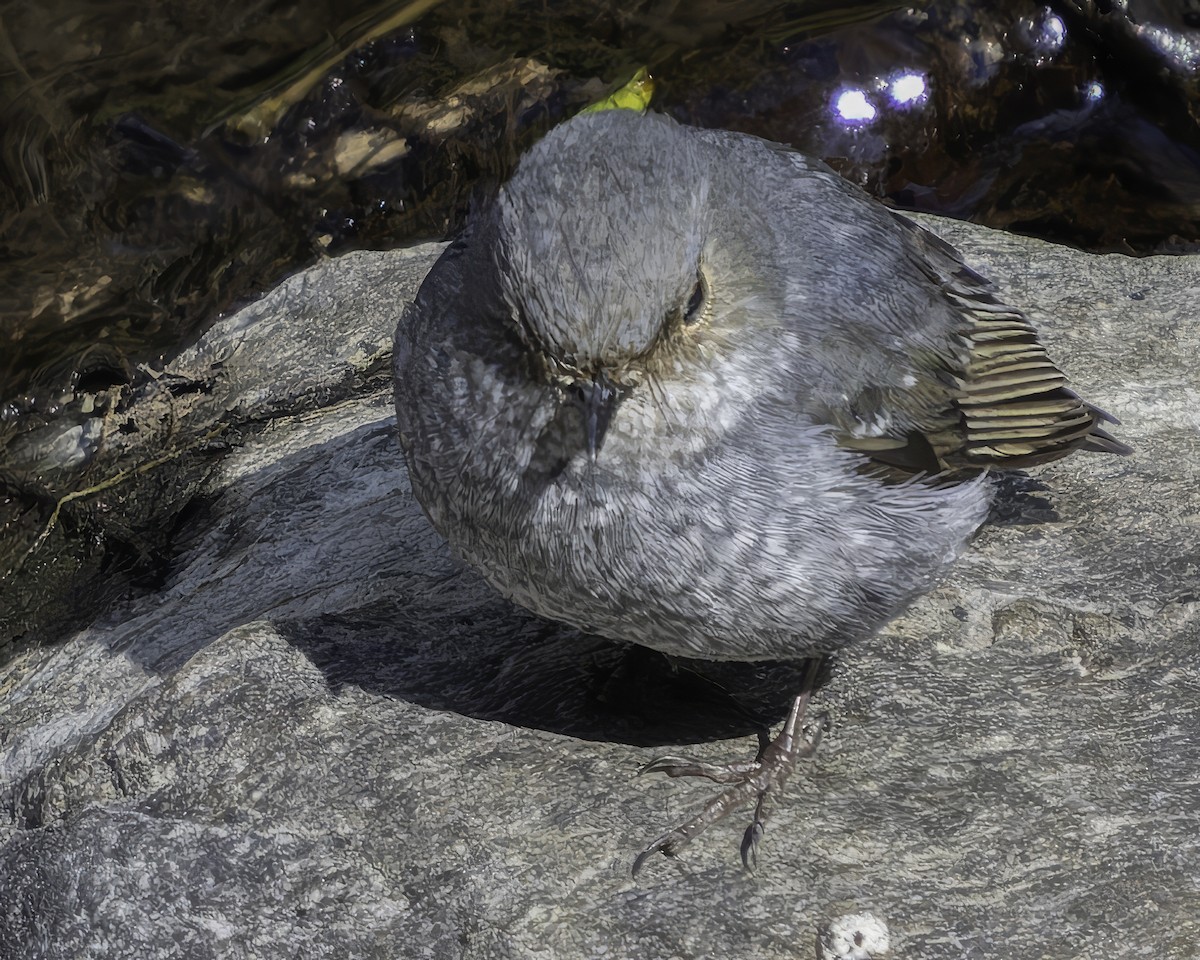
{"points": [[1015, 501], [497, 661]]}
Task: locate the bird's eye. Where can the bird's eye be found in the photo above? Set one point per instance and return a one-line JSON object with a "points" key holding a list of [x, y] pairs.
{"points": [[695, 304]]}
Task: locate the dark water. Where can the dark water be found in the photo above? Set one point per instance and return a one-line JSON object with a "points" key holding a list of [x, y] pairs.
{"points": [[162, 163], [157, 168]]}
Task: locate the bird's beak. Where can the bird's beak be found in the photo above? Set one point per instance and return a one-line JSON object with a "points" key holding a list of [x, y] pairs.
{"points": [[600, 397]]}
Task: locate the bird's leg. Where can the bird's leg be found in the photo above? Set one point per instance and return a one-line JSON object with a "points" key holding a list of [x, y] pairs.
{"points": [[751, 780]]}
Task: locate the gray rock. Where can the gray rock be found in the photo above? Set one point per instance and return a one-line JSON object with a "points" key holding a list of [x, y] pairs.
{"points": [[323, 737], [120, 475]]}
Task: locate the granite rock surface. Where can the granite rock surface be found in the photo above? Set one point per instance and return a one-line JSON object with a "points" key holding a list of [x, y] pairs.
{"points": [[324, 737]]}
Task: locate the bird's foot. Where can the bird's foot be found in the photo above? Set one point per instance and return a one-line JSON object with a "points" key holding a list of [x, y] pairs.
{"points": [[750, 780]]}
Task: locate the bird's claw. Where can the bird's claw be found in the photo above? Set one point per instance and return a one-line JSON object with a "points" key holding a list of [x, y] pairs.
{"points": [[690, 767], [750, 840], [754, 832], [756, 779], [667, 845]]}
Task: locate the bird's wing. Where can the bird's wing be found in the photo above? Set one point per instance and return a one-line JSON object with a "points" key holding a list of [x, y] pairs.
{"points": [[1010, 405], [894, 342]]}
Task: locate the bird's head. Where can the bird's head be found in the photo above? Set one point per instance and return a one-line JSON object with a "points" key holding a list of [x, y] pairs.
{"points": [[599, 244]]}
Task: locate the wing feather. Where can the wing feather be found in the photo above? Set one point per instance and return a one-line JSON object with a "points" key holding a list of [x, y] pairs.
{"points": [[1012, 407]]}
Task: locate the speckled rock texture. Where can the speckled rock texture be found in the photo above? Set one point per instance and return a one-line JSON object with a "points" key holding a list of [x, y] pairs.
{"points": [[323, 737]]}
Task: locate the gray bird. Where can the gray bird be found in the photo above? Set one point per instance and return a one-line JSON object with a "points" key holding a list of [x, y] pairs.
{"points": [[690, 389]]}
